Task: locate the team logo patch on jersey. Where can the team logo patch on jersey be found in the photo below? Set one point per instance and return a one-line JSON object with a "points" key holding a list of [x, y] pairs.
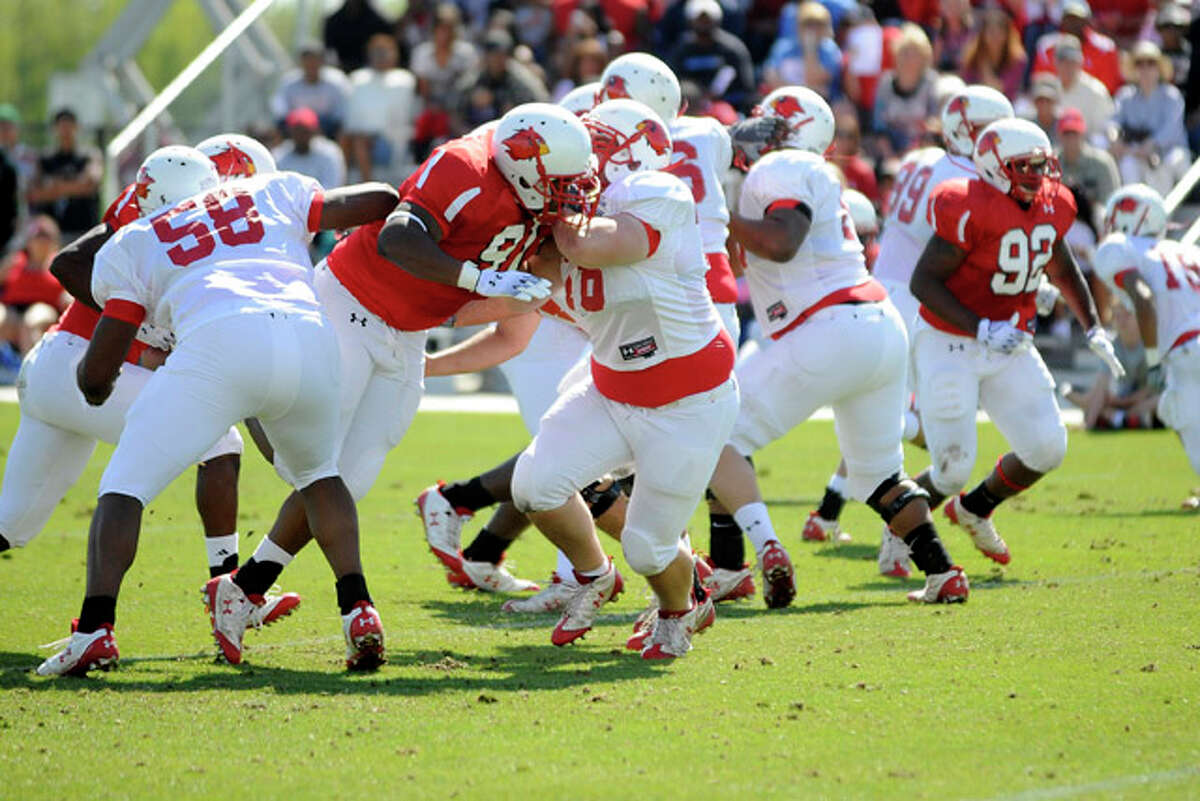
{"points": [[526, 144], [777, 311], [641, 349]]}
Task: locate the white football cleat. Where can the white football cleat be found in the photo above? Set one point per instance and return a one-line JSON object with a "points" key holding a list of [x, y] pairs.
{"points": [[943, 588], [489, 578], [274, 607], [443, 525], [364, 637], [818, 529], [84, 652], [229, 611], [551, 599], [580, 610], [671, 637], [981, 530], [643, 626], [894, 558], [730, 585]]}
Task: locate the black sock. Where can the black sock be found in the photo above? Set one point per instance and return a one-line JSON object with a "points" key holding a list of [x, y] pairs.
{"points": [[97, 611], [980, 501], [831, 504], [699, 593], [471, 495], [351, 588], [928, 552], [255, 577], [725, 543], [4, 544], [226, 566], [486, 547]]}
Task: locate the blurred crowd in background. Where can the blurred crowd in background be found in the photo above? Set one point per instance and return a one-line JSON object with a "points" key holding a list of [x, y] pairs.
{"points": [[1109, 82]]}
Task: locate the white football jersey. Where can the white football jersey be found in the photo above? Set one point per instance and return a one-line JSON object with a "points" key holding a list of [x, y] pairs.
{"points": [[640, 315], [829, 259], [1171, 269], [907, 228], [242, 247], [701, 154]]}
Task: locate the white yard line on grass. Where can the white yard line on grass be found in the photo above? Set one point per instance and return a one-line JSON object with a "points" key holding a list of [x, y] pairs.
{"points": [[1140, 781]]}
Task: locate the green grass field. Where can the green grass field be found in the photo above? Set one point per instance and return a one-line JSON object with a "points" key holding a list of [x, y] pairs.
{"points": [[1073, 673]]}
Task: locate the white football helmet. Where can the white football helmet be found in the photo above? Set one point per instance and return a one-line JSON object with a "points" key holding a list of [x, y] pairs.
{"points": [[808, 117], [237, 156], [1135, 210], [546, 154], [172, 173], [581, 99], [862, 212], [1015, 156], [627, 136], [968, 112], [644, 78]]}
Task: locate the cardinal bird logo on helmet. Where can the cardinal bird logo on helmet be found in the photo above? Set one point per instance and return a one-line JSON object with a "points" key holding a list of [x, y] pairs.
{"points": [[233, 162], [990, 143], [614, 87], [655, 136], [526, 144], [141, 187], [786, 106], [958, 106]]}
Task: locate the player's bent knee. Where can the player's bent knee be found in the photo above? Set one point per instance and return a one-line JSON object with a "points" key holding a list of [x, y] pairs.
{"points": [[951, 471], [537, 486], [894, 494], [646, 554], [1049, 451]]}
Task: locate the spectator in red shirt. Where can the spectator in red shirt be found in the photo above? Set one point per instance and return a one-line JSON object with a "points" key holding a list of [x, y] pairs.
{"points": [[30, 293], [847, 155], [1101, 58]]}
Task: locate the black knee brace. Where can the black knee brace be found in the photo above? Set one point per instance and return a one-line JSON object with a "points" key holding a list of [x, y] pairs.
{"points": [[599, 500], [910, 493]]}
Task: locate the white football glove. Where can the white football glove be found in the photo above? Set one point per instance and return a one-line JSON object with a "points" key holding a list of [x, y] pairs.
{"points": [[1002, 336], [1047, 298], [493, 283], [156, 337], [1101, 345]]}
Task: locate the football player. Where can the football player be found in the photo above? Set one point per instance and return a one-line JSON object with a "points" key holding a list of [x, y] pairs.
{"points": [[906, 231], [468, 219], [226, 269], [838, 341], [1160, 280], [977, 282], [660, 394], [58, 431]]}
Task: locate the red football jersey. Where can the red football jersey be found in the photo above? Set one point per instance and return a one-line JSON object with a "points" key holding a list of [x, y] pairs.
{"points": [[481, 220], [81, 320], [1007, 247]]}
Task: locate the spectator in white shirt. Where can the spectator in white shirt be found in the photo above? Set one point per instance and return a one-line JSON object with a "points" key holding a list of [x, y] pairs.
{"points": [[309, 153], [1082, 91], [379, 120], [314, 85]]}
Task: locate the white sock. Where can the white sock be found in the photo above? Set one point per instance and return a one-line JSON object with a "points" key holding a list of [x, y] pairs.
{"points": [[837, 483], [221, 548], [564, 569], [597, 573], [268, 551], [686, 539], [755, 523], [912, 425]]}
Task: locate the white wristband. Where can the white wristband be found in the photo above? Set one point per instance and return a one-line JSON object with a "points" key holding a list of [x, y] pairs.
{"points": [[1152, 357], [468, 276]]}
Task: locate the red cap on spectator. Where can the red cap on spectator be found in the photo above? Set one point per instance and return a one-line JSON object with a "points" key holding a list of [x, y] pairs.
{"points": [[303, 117], [1072, 121]]}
